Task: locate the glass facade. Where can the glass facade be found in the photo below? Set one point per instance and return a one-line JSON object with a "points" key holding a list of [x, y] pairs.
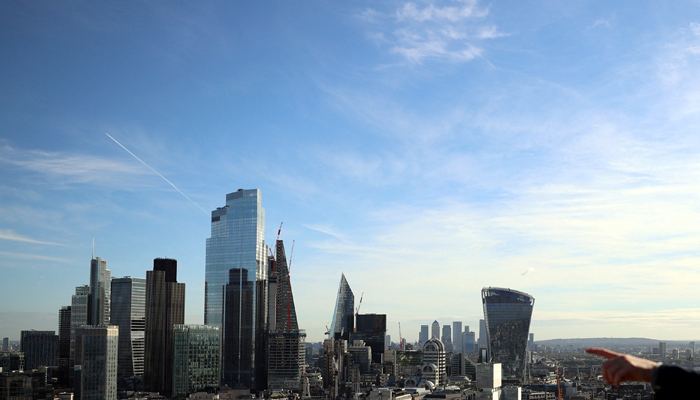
{"points": [[237, 241], [100, 287], [344, 309], [507, 314], [196, 360], [129, 315], [80, 316], [238, 304]]}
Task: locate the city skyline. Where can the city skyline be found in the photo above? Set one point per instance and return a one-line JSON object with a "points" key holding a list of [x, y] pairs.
{"points": [[433, 147]]}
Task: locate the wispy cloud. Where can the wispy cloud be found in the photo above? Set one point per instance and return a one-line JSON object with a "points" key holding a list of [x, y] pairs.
{"points": [[328, 230], [436, 30], [10, 235], [25, 256], [60, 167]]}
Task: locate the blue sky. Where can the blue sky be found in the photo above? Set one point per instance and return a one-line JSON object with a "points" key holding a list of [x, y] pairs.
{"points": [[426, 149]]}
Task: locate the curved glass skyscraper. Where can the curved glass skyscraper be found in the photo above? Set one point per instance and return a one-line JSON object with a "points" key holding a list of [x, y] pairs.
{"points": [[508, 313], [344, 309]]}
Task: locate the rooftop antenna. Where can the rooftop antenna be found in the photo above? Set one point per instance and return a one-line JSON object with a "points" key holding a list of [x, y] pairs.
{"points": [[93, 247]]}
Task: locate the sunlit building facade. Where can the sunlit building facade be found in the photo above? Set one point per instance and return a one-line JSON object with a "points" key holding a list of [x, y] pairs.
{"points": [[238, 304], [344, 309], [507, 316], [100, 288], [129, 314]]}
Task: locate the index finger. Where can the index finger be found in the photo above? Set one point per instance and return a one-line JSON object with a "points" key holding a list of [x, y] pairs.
{"points": [[603, 352]]}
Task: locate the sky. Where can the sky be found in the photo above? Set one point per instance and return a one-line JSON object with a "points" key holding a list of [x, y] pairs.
{"points": [[425, 149]]}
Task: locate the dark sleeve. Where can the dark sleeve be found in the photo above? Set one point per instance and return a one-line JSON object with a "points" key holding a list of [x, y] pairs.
{"points": [[674, 382]]}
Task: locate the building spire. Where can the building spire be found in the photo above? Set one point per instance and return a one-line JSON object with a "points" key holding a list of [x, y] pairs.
{"points": [[93, 247]]}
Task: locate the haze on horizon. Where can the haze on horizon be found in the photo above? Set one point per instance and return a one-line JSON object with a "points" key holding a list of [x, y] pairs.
{"points": [[426, 149]]}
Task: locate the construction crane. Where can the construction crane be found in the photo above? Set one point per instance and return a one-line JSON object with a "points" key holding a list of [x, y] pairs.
{"points": [[559, 394], [400, 338], [279, 231], [291, 255], [357, 311]]}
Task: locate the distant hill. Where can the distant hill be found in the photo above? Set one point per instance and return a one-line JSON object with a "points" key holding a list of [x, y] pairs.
{"points": [[613, 343]]}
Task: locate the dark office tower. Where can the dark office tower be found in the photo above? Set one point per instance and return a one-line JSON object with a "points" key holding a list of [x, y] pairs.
{"points": [[372, 329], [6, 344], [165, 308], [239, 344], [64, 344], [79, 316], [286, 348], [507, 313], [40, 349], [344, 309], [129, 315], [662, 351], [100, 286], [457, 339], [435, 330], [96, 363], [423, 336]]}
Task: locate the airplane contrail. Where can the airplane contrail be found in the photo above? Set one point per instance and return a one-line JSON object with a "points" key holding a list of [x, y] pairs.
{"points": [[156, 172]]}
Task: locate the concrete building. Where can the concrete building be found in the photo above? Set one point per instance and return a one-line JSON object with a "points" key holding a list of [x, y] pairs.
{"points": [[165, 308], [96, 363], [434, 367], [196, 360]]}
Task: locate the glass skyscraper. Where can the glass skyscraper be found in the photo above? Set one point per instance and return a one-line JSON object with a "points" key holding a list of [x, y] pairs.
{"points": [[507, 314], [344, 309], [237, 241], [100, 287], [235, 296], [129, 314]]}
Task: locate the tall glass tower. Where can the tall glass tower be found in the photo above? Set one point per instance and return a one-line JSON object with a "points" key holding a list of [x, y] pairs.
{"points": [[508, 313], [344, 309], [237, 301], [100, 287]]}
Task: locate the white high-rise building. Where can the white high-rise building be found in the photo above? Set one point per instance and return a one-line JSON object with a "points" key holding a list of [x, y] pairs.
{"points": [[96, 363]]}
